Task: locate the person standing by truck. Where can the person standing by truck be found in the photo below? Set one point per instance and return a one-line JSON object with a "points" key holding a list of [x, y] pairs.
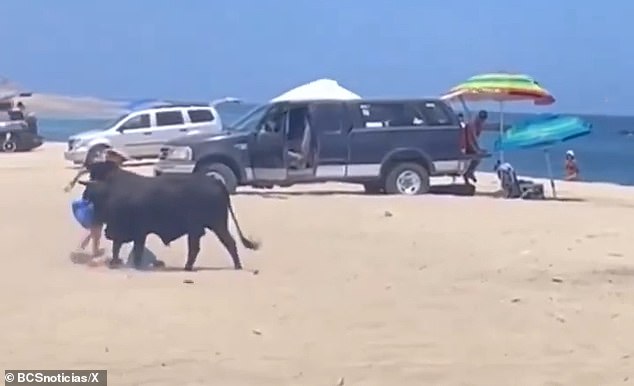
{"points": [[472, 133]]}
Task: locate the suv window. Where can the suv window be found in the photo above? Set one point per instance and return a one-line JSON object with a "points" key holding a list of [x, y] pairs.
{"points": [[167, 118], [200, 115], [138, 122], [435, 113], [390, 115]]}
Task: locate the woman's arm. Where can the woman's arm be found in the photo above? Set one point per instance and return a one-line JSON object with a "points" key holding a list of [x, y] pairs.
{"points": [[73, 182]]}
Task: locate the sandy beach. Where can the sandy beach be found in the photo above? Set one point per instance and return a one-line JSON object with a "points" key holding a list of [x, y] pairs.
{"points": [[352, 289]]}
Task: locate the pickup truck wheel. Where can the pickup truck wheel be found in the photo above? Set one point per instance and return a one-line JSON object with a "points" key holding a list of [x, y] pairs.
{"points": [[407, 178], [222, 173]]}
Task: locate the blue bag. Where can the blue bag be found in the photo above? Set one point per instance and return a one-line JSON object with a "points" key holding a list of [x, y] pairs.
{"points": [[84, 212]]}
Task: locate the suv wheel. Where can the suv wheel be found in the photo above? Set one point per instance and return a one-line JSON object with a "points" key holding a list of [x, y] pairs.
{"points": [[96, 153], [407, 178], [222, 173]]}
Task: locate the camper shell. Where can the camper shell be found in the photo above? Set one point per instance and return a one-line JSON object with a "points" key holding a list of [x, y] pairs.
{"points": [[388, 145]]}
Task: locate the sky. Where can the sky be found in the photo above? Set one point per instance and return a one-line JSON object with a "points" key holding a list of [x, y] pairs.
{"points": [[257, 49]]}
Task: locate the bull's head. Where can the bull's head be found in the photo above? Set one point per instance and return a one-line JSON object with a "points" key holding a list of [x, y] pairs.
{"points": [[100, 171]]}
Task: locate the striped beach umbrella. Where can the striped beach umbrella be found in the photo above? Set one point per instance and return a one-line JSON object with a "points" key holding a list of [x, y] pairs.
{"points": [[499, 87]]}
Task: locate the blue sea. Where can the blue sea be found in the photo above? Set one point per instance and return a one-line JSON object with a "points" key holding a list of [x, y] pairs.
{"points": [[606, 155]]}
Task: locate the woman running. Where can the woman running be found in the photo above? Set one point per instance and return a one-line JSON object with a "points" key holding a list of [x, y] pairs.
{"points": [[84, 211]]}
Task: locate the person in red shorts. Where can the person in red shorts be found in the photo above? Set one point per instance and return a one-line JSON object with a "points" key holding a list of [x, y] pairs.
{"points": [[570, 166]]}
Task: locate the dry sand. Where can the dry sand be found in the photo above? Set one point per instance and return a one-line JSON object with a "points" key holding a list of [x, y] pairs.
{"points": [[375, 290]]}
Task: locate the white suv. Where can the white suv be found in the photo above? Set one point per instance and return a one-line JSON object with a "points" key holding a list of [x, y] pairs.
{"points": [[142, 133]]}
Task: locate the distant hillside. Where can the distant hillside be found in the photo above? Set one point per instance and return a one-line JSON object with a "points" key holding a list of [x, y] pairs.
{"points": [[59, 106]]}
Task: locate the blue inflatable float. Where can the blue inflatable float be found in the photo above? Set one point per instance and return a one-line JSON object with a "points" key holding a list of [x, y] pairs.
{"points": [[84, 212]]}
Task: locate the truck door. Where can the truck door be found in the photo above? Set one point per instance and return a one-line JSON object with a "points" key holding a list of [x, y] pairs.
{"points": [[268, 149], [331, 125]]}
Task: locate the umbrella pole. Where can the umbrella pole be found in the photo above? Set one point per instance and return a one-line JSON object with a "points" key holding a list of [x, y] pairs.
{"points": [[501, 155], [550, 172]]}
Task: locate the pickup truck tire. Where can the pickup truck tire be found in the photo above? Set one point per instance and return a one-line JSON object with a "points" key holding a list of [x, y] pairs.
{"points": [[96, 153], [223, 173], [407, 178]]}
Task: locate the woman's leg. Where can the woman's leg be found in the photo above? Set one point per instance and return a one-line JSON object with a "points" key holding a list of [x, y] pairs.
{"points": [[95, 234], [85, 241]]}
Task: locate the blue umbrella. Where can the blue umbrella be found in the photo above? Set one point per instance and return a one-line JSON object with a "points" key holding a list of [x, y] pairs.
{"points": [[543, 132]]}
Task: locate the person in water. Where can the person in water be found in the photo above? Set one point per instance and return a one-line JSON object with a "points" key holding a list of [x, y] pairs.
{"points": [[95, 228], [570, 167]]}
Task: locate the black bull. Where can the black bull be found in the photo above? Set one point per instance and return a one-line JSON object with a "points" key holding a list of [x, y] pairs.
{"points": [[133, 206]]}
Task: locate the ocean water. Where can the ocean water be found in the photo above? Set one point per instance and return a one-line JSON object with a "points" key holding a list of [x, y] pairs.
{"points": [[606, 155]]}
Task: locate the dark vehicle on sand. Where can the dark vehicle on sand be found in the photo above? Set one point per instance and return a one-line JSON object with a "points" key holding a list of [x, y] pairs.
{"points": [[388, 146], [17, 134]]}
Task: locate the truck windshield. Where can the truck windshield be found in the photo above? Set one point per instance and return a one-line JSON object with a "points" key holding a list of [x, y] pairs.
{"points": [[249, 121]]}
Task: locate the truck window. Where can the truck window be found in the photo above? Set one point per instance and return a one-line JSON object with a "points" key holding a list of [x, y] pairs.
{"points": [[250, 120], [435, 113], [200, 115], [375, 115], [328, 117], [168, 118]]}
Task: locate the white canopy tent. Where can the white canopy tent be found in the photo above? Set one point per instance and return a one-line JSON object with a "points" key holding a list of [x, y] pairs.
{"points": [[321, 89]]}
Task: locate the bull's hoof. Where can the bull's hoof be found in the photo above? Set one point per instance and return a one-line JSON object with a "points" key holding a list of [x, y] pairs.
{"points": [[237, 267], [115, 263], [158, 264], [189, 267]]}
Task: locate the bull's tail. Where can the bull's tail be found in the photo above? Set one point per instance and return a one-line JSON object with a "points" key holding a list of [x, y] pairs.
{"points": [[250, 244]]}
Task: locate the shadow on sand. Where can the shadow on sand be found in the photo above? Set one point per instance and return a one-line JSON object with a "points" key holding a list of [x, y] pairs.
{"points": [[131, 164], [281, 195], [452, 190], [498, 195], [202, 269], [456, 190], [566, 199], [85, 258]]}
